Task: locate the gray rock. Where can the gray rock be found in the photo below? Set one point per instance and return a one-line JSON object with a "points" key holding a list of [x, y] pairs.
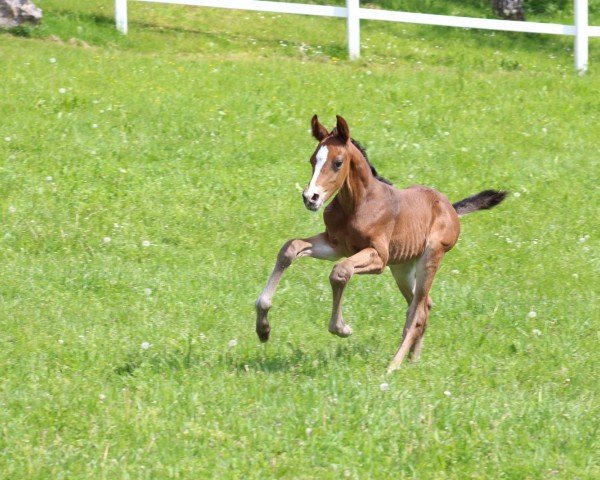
{"points": [[509, 9], [18, 12]]}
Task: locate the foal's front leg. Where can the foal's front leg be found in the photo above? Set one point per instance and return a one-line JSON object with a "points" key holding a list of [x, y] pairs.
{"points": [[365, 261], [317, 247]]}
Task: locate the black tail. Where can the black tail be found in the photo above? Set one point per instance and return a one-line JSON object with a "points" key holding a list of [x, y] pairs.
{"points": [[481, 201]]}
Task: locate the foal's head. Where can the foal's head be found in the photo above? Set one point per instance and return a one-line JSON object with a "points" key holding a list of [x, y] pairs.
{"points": [[330, 163]]}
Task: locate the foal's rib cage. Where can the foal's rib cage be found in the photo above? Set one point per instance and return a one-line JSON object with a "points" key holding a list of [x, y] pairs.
{"points": [[409, 230]]}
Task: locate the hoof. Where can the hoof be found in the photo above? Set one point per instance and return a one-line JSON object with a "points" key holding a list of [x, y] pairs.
{"points": [[344, 332], [263, 334], [392, 368]]}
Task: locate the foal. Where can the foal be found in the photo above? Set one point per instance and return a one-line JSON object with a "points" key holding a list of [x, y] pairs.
{"points": [[374, 225]]}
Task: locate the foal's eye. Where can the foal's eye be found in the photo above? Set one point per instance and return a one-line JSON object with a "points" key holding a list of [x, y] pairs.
{"points": [[337, 164]]}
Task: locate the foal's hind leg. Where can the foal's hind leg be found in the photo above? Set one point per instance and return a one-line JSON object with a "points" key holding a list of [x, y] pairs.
{"points": [[418, 311], [317, 247], [365, 261], [405, 276]]}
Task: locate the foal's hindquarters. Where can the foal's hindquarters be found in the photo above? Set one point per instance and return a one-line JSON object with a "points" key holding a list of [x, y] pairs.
{"points": [[414, 276]]}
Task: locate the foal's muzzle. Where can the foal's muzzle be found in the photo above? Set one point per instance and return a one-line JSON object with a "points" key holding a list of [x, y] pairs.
{"points": [[311, 201]]}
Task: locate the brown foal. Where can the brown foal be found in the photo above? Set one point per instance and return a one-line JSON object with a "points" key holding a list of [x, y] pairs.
{"points": [[374, 225]]}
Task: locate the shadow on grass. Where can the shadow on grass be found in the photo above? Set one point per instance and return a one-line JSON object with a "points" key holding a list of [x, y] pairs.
{"points": [[96, 18], [24, 31], [299, 360]]}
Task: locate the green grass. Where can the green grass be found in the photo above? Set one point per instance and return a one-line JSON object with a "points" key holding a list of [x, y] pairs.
{"points": [[191, 133]]}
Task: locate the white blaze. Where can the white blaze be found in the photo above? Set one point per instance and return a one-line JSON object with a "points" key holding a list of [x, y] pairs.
{"points": [[321, 159]]}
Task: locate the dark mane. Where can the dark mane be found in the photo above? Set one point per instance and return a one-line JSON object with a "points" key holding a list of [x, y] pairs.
{"points": [[363, 150]]}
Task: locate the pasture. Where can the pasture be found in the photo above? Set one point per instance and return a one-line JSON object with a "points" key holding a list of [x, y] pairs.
{"points": [[147, 183]]}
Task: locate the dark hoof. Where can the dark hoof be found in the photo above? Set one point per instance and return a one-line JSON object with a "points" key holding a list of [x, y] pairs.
{"points": [[343, 332], [263, 335]]}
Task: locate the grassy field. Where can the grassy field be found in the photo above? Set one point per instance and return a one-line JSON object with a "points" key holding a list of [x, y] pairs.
{"points": [[148, 181]]}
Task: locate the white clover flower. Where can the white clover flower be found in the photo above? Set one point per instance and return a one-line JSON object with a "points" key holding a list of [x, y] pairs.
{"points": [[106, 240], [455, 271], [516, 194], [11, 209], [94, 125], [49, 178], [52, 60], [62, 90], [7, 139], [146, 243], [101, 397], [145, 345], [61, 341], [532, 314], [147, 291], [447, 393], [384, 387], [232, 343], [536, 332], [308, 432]]}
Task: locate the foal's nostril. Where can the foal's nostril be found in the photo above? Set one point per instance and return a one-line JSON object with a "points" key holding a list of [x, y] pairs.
{"points": [[315, 197]]}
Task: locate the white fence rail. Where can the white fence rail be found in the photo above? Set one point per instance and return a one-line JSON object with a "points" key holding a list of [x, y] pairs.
{"points": [[353, 14]]}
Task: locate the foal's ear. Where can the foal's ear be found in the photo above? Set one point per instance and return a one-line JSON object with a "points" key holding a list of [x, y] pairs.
{"points": [[342, 129], [318, 130]]}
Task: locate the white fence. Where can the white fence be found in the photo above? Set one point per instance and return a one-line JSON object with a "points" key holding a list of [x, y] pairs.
{"points": [[353, 14]]}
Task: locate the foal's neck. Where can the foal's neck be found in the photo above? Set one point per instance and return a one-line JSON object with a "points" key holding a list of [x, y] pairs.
{"points": [[358, 182]]}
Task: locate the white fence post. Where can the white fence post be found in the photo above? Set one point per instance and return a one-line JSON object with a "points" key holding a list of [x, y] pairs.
{"points": [[581, 36], [121, 15], [353, 27]]}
